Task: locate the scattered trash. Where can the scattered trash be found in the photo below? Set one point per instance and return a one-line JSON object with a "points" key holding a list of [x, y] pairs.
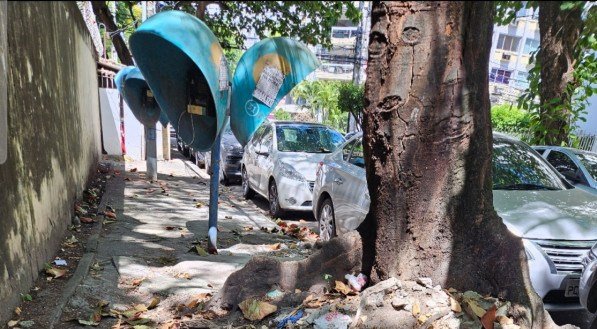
{"points": [[255, 310], [290, 319], [356, 283], [332, 320], [274, 294], [60, 262], [27, 324]]}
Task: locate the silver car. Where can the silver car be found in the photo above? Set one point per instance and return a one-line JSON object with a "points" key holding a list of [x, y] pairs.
{"points": [[558, 223], [579, 167], [588, 281], [279, 163]]}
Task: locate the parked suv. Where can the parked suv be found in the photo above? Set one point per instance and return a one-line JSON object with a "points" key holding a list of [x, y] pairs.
{"points": [[557, 222], [280, 160]]}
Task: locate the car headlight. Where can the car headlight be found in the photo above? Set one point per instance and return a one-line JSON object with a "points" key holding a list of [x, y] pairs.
{"points": [[287, 171]]}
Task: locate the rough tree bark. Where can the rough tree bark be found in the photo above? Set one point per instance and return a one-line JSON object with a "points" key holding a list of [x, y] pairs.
{"points": [[428, 145], [102, 12], [559, 31]]}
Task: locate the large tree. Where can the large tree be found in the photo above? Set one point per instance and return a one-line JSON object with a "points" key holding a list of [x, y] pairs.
{"points": [[560, 31], [428, 147], [309, 21]]}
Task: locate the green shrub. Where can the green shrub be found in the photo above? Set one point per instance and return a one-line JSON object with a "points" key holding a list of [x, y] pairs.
{"points": [[280, 114], [510, 119]]}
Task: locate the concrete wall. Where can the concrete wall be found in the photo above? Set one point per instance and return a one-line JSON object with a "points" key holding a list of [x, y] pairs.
{"points": [[53, 137]]}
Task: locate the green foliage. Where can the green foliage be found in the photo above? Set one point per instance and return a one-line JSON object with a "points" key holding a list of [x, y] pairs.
{"points": [[351, 99], [321, 96], [280, 114], [571, 106], [510, 119], [26, 297], [309, 21]]}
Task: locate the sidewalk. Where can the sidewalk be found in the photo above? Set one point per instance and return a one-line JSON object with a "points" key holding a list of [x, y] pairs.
{"points": [[144, 254]]}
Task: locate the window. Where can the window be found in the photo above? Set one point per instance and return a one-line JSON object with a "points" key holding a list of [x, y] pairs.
{"points": [[307, 138], [530, 45], [257, 135], [499, 75], [516, 167], [508, 42], [561, 162], [522, 79], [357, 157], [589, 160], [347, 149], [268, 138]]}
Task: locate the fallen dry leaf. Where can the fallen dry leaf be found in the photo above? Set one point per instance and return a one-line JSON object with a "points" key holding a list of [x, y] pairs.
{"points": [[183, 276], [110, 214], [134, 170], [455, 305], [134, 312], [416, 309], [488, 318], [342, 288], [477, 310], [200, 251], [56, 272], [275, 246], [199, 298], [154, 302], [255, 310], [86, 220], [18, 311], [12, 323], [137, 282], [199, 204]]}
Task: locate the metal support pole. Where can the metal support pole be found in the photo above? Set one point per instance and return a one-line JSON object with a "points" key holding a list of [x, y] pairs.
{"points": [[214, 184], [151, 153]]}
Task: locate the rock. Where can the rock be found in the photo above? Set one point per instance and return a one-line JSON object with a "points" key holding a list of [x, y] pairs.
{"points": [[399, 303], [417, 288], [372, 300], [431, 303], [425, 282], [27, 324], [387, 286], [76, 221]]}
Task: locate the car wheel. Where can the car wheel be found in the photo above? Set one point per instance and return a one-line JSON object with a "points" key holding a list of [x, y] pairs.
{"points": [[274, 201], [247, 190], [327, 220]]}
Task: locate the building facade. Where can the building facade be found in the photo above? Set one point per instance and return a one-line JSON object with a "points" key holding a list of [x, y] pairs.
{"points": [[509, 61]]}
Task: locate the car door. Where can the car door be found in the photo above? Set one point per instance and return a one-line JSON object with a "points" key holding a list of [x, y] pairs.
{"points": [[263, 161], [250, 157], [343, 183], [358, 195]]}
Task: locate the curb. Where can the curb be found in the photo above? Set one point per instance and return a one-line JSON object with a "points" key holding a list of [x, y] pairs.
{"points": [[86, 259]]}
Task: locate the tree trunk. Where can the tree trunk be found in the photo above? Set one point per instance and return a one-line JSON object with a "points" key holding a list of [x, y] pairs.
{"points": [[101, 11], [428, 146], [559, 32]]}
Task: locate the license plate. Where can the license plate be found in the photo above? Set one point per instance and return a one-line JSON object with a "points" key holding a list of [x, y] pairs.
{"points": [[572, 288]]}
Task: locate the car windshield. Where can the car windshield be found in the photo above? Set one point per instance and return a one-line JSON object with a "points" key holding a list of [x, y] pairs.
{"points": [[590, 162], [309, 139], [516, 167]]}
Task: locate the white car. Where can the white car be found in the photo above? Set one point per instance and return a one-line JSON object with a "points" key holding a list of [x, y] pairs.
{"points": [[557, 222], [279, 163]]}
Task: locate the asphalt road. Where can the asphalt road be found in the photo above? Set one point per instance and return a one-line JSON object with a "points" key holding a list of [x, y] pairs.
{"points": [[582, 319]]}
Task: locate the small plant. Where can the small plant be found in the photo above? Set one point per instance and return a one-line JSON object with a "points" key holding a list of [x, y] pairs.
{"points": [[26, 297]]}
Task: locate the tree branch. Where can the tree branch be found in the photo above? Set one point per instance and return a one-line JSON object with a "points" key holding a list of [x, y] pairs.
{"points": [[101, 11]]}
